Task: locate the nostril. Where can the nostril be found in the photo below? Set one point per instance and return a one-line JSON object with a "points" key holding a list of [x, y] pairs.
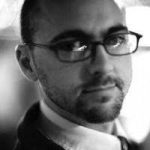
{"points": [[101, 69], [97, 74]]}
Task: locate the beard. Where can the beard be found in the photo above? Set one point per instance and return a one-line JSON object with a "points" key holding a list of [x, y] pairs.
{"points": [[88, 109], [102, 107], [100, 112], [79, 107]]}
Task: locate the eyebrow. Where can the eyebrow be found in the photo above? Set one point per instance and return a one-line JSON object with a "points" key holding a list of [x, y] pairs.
{"points": [[116, 28], [80, 34], [76, 33]]}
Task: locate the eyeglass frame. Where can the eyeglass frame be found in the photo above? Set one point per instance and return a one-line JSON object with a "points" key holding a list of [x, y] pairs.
{"points": [[92, 43]]}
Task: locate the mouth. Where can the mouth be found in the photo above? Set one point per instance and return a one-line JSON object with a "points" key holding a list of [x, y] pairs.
{"points": [[106, 87]]}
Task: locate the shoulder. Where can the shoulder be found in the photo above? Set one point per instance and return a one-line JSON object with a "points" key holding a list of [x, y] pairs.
{"points": [[29, 137]]}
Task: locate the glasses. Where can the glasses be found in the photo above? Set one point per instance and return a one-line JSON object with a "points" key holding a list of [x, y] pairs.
{"points": [[74, 50]]}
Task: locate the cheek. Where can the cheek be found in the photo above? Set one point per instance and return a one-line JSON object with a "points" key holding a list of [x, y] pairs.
{"points": [[57, 73], [64, 76], [128, 68], [124, 70]]}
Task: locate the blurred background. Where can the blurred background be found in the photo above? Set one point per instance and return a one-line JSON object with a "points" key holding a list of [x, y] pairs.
{"points": [[17, 93]]}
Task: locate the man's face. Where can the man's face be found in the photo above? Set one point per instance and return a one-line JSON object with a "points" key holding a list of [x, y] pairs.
{"points": [[92, 90]]}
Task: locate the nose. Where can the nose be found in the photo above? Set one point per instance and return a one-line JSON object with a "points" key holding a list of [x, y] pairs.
{"points": [[101, 63]]}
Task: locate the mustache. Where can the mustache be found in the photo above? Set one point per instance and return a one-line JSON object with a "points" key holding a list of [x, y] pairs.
{"points": [[104, 80]]}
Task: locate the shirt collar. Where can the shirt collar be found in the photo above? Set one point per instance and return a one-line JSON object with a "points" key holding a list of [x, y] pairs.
{"points": [[74, 134]]}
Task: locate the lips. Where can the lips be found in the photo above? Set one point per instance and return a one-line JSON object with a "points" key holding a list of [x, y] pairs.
{"points": [[100, 87]]}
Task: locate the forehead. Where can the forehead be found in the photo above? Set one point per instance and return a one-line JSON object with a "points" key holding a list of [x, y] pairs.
{"points": [[90, 16]]}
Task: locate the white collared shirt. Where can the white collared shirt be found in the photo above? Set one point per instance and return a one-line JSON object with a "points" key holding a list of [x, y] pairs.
{"points": [[76, 137]]}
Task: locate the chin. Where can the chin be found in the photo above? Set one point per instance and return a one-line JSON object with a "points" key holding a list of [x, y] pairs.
{"points": [[100, 112], [102, 115]]}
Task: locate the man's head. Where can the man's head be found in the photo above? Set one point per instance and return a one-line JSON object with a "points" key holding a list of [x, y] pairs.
{"points": [[30, 9], [90, 82]]}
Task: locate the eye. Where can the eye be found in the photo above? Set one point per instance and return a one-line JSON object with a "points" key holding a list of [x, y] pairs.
{"points": [[70, 45], [78, 46], [116, 40]]}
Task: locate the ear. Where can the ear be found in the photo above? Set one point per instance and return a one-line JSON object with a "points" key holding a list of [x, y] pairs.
{"points": [[23, 55]]}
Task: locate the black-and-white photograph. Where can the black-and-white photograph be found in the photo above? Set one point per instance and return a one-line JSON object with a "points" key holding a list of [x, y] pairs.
{"points": [[74, 75]]}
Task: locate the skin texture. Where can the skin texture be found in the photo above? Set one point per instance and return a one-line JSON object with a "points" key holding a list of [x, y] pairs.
{"points": [[66, 87]]}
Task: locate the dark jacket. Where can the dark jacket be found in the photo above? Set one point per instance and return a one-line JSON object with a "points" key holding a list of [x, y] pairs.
{"points": [[30, 138]]}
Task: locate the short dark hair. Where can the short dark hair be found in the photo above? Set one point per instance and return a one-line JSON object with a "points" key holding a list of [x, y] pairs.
{"points": [[28, 12]]}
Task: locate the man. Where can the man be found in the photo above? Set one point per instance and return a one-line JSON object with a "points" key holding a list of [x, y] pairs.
{"points": [[79, 53]]}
